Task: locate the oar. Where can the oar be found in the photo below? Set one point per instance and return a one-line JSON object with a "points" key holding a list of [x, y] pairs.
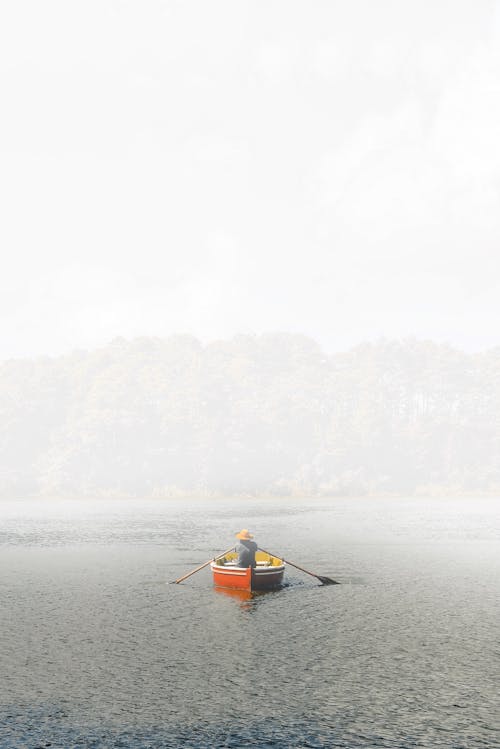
{"points": [[321, 578], [201, 566]]}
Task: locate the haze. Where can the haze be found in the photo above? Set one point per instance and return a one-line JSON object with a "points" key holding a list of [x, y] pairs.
{"points": [[326, 168]]}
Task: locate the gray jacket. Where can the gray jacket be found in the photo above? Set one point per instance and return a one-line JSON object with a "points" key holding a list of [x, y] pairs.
{"points": [[246, 553]]}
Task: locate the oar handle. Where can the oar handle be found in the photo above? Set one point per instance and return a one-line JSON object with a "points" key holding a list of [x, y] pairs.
{"points": [[291, 563], [184, 577]]}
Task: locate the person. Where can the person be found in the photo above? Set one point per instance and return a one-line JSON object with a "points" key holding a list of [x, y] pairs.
{"points": [[245, 548]]}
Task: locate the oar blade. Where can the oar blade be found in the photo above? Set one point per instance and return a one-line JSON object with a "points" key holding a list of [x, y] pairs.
{"points": [[327, 580]]}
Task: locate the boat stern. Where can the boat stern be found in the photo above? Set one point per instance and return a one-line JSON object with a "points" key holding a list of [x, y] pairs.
{"points": [[267, 574]]}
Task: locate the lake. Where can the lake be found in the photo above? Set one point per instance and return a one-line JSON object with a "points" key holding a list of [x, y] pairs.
{"points": [[98, 650]]}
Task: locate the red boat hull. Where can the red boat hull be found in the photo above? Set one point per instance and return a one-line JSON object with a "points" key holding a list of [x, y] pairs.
{"points": [[240, 578]]}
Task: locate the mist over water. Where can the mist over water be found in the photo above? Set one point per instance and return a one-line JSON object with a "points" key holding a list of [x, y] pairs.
{"points": [[251, 256], [97, 650]]}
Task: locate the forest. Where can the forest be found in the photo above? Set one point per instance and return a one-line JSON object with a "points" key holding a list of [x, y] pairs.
{"points": [[270, 415]]}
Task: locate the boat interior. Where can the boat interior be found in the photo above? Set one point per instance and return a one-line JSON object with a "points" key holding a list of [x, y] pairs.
{"points": [[261, 557]]}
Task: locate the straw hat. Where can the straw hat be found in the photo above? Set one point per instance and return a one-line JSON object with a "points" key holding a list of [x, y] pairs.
{"points": [[244, 535]]}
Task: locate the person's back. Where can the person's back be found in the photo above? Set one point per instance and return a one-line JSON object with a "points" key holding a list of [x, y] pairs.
{"points": [[245, 549]]}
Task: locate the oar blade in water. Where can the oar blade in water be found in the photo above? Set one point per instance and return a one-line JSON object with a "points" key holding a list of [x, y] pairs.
{"points": [[327, 580]]}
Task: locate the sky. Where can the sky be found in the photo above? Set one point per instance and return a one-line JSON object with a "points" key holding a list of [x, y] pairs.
{"points": [[225, 167]]}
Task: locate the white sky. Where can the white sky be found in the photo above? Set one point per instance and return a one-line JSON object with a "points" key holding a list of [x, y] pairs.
{"points": [[331, 168]]}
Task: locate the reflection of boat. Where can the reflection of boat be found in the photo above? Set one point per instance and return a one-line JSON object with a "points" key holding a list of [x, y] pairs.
{"points": [[267, 574], [237, 594]]}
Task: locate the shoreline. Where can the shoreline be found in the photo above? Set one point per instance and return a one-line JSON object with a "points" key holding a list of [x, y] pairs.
{"points": [[303, 499]]}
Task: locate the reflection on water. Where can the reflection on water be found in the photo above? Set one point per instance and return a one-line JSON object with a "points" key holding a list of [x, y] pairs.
{"points": [[236, 595], [98, 650], [247, 599]]}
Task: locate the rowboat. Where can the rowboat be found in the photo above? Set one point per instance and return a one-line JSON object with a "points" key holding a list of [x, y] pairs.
{"points": [[267, 574]]}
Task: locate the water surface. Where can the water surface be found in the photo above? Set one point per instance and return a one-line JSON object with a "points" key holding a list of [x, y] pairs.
{"points": [[98, 650]]}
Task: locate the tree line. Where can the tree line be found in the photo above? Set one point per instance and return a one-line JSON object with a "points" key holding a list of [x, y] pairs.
{"points": [[269, 415]]}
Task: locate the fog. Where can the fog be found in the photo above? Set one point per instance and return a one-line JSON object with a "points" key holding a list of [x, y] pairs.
{"points": [[226, 168], [249, 248], [249, 279]]}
